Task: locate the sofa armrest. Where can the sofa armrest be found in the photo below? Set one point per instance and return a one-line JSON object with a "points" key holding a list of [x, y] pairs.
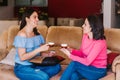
{"points": [[118, 71], [115, 62], [3, 53], [116, 67]]}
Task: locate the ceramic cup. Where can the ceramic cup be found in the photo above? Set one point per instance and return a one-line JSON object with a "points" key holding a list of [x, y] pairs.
{"points": [[64, 45], [51, 44]]}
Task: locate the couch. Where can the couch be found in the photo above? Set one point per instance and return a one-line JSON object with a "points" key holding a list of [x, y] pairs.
{"points": [[58, 34]]}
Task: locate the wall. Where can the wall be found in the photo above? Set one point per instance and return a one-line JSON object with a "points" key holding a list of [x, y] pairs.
{"points": [[6, 12], [109, 13], [5, 24], [76, 8], [63, 8], [60, 8]]}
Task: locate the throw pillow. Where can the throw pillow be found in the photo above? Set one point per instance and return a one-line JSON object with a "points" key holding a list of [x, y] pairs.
{"points": [[110, 57], [9, 59], [47, 61], [115, 62]]}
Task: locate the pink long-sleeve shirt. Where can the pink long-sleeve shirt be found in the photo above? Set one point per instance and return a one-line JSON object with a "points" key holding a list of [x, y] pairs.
{"points": [[92, 52]]}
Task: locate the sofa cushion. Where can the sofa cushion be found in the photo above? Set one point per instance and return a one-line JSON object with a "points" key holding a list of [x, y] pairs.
{"points": [[9, 59], [3, 40], [6, 72], [3, 53], [64, 34], [12, 32], [43, 30], [113, 39]]}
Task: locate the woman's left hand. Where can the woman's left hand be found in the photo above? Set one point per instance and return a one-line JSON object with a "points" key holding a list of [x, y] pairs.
{"points": [[65, 51], [49, 54]]}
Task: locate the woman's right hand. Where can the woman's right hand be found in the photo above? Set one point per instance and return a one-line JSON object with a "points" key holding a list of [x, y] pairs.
{"points": [[44, 47], [65, 51], [69, 49]]}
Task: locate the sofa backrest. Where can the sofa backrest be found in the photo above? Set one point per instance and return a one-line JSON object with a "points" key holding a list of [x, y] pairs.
{"points": [[43, 30], [7, 37], [3, 40], [12, 32], [113, 39], [65, 34]]}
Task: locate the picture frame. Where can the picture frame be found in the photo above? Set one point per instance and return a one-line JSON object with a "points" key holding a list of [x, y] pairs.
{"points": [[3, 2]]}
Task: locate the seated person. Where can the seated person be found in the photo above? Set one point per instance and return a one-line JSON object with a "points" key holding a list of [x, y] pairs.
{"points": [[90, 60], [29, 43]]}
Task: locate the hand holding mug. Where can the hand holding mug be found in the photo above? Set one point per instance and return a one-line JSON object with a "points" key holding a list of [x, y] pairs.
{"points": [[51, 53]]}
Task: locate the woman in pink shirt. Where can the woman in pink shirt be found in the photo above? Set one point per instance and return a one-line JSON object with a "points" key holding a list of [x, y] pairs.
{"points": [[90, 60]]}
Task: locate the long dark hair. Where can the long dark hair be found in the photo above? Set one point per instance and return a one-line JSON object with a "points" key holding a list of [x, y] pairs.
{"points": [[28, 13], [97, 27]]}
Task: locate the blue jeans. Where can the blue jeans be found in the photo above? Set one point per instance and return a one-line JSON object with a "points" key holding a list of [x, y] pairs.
{"points": [[78, 71], [33, 72]]}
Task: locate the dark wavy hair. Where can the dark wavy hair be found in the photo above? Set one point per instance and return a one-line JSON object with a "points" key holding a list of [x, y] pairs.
{"points": [[28, 13], [96, 27]]}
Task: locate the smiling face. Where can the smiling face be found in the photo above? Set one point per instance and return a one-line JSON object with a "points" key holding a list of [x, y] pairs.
{"points": [[33, 20], [86, 26]]}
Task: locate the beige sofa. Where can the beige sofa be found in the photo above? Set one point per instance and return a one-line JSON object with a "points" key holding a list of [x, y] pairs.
{"points": [[58, 34]]}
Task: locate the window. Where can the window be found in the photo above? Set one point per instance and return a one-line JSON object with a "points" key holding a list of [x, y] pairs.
{"points": [[42, 3], [37, 3], [22, 2], [3, 2]]}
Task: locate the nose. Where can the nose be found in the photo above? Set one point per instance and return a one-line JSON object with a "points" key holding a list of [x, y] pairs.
{"points": [[37, 19], [82, 25]]}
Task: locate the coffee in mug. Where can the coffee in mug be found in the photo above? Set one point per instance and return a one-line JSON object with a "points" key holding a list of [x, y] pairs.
{"points": [[51, 44], [64, 45]]}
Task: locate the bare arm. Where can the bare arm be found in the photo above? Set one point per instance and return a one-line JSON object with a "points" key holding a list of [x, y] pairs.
{"points": [[25, 56]]}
